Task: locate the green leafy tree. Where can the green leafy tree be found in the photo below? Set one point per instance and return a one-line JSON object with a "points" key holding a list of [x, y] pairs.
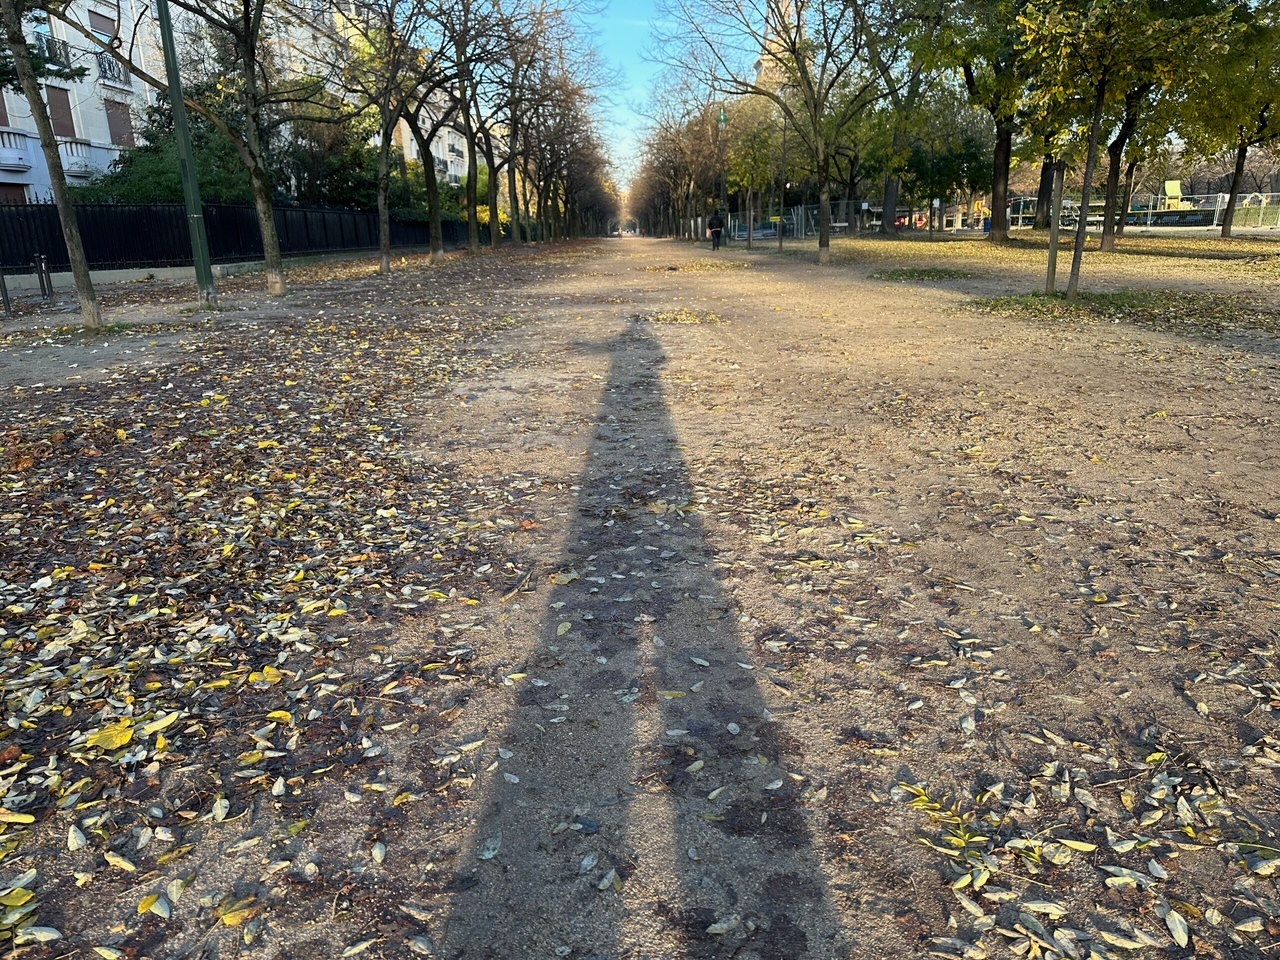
{"points": [[1089, 52], [752, 152], [809, 59], [1236, 104], [330, 164], [950, 148], [983, 40]]}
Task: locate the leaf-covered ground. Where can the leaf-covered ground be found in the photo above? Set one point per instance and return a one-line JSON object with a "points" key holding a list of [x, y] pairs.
{"points": [[621, 601]]}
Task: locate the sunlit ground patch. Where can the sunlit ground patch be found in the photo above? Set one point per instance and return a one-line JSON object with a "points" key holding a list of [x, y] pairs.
{"points": [[1209, 313]]}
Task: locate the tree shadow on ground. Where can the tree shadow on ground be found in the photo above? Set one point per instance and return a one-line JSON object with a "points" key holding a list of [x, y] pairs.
{"points": [[645, 804]]}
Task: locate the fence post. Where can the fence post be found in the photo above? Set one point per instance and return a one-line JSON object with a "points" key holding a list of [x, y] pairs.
{"points": [[1217, 211], [4, 295], [40, 266]]}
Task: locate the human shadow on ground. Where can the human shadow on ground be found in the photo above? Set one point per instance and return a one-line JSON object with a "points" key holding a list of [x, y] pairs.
{"points": [[645, 803]]}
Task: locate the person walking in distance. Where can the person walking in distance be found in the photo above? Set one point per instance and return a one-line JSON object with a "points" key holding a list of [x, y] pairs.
{"points": [[716, 226]]}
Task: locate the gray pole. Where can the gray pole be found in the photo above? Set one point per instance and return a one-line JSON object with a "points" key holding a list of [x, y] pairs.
{"points": [[187, 161], [782, 182]]}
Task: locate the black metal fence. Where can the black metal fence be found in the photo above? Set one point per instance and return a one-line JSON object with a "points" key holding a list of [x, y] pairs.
{"points": [[121, 236]]}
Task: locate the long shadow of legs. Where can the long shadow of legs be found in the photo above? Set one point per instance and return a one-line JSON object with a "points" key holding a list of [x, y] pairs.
{"points": [[646, 807]]}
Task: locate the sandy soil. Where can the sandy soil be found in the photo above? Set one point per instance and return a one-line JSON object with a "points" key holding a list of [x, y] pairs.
{"points": [[810, 614]]}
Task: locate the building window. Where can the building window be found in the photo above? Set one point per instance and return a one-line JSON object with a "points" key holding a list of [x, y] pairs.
{"points": [[104, 28], [119, 123], [13, 193], [4, 111], [64, 124]]}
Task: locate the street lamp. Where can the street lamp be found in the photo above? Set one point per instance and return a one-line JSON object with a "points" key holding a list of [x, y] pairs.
{"points": [[782, 182], [722, 122]]}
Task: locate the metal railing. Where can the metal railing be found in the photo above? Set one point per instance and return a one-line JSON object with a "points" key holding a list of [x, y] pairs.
{"points": [[1153, 210], [54, 50], [111, 70], [1253, 210]]}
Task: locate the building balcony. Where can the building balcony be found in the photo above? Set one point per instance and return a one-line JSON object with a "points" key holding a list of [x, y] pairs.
{"points": [[77, 158], [54, 50], [112, 71], [15, 155]]}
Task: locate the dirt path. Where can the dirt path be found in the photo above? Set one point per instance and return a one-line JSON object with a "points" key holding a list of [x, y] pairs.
{"points": [[623, 602], [835, 542]]}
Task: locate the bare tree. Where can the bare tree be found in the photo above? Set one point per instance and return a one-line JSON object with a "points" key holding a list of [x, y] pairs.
{"points": [[24, 70], [267, 65], [808, 56], [388, 60]]}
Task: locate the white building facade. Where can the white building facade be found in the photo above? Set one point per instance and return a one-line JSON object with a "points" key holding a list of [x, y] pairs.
{"points": [[93, 117], [448, 150]]}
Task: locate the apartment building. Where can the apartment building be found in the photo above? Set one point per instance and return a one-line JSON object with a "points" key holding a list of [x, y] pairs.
{"points": [[93, 117], [448, 151]]}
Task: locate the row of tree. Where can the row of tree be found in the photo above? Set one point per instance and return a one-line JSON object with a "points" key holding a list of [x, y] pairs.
{"points": [[906, 91], [513, 76]]}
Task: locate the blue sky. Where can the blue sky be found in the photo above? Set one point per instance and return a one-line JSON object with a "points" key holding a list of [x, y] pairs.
{"points": [[622, 31]]}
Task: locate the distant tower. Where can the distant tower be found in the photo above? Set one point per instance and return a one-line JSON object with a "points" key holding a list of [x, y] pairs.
{"points": [[780, 28]]}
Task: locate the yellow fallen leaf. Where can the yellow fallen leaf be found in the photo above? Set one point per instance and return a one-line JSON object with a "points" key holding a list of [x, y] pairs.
{"points": [[235, 918], [161, 723], [9, 816], [281, 716], [118, 861], [1080, 845], [113, 737]]}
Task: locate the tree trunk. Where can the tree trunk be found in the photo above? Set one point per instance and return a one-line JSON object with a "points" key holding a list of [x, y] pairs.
{"points": [[853, 210], [252, 153], [1058, 171], [524, 201], [384, 198], [889, 210], [1044, 194], [495, 220], [1127, 196], [1001, 160], [1090, 163], [824, 217], [260, 184], [1115, 157], [471, 193], [1237, 178], [513, 200], [90, 309], [435, 221]]}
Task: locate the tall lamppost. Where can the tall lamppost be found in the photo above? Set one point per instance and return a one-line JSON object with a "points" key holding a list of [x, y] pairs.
{"points": [[187, 163], [782, 183], [722, 122]]}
